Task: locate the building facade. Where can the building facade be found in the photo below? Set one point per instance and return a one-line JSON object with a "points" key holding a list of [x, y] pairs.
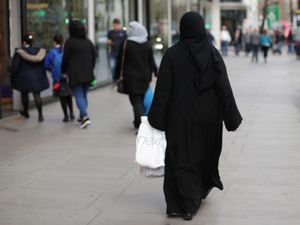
{"points": [[45, 18]]}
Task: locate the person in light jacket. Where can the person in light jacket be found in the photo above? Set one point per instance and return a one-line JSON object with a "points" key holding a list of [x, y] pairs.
{"points": [[225, 40]]}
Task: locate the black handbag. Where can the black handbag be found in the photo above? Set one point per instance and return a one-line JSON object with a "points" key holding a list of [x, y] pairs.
{"points": [[120, 82], [120, 87]]}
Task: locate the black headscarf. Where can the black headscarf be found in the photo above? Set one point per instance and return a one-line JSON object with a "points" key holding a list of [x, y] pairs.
{"points": [[194, 38], [77, 29]]}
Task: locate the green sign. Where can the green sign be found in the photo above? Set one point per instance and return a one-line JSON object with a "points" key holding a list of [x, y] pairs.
{"points": [[272, 14]]}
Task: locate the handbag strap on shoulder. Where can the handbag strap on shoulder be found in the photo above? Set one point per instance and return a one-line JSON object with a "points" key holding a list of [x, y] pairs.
{"points": [[123, 59]]}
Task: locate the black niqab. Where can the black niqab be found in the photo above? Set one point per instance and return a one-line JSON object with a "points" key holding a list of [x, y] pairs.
{"points": [[194, 37], [77, 29]]}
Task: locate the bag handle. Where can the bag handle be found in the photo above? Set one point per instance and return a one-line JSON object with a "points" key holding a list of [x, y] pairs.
{"points": [[123, 59]]}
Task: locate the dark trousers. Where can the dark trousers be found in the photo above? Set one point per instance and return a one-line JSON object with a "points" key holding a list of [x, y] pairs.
{"points": [[255, 49], [265, 50], [37, 100], [66, 102], [137, 102]]}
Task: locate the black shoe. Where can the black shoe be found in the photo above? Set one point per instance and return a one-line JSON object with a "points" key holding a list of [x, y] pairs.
{"points": [[85, 123], [66, 119], [72, 117], [79, 120], [24, 114], [188, 216], [41, 118]]}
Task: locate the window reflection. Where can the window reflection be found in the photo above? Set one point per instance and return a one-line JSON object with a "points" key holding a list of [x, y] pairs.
{"points": [[159, 25], [45, 18]]}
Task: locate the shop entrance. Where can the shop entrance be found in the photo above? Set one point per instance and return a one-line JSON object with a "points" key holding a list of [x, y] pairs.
{"points": [[233, 19]]}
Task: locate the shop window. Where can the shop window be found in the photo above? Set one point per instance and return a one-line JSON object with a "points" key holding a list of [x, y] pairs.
{"points": [[46, 18], [159, 24]]}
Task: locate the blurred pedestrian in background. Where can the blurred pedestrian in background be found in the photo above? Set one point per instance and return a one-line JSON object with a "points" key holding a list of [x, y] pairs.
{"points": [[238, 41], [192, 98], [290, 42], [28, 75], [114, 39], [279, 42], [247, 41], [255, 43], [61, 89], [265, 43], [210, 36], [225, 40], [78, 66], [135, 66]]}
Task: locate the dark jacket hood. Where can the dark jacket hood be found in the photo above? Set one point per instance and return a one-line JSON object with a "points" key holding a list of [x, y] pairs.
{"points": [[77, 29]]}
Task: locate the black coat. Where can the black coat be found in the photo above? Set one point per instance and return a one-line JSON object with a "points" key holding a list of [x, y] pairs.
{"points": [[28, 76], [192, 120], [138, 66], [79, 60]]}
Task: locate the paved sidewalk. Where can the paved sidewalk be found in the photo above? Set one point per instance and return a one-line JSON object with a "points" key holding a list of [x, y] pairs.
{"points": [[56, 174]]}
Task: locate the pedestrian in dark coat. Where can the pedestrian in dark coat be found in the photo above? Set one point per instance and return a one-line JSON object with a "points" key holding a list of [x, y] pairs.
{"points": [[61, 89], [192, 98], [78, 65], [137, 67], [28, 74]]}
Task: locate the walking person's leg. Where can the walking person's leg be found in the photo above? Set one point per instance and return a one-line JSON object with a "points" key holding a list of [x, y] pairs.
{"points": [[266, 53], [85, 91], [223, 47], [256, 49], [79, 92], [39, 105], [138, 108], [63, 103], [70, 105], [25, 103], [112, 62], [226, 48]]}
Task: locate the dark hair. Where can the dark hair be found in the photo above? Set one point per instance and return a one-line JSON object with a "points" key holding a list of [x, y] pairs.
{"points": [[28, 38], [77, 29], [59, 39], [116, 21]]}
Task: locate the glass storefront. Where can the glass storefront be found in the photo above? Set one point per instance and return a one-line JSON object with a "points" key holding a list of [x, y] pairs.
{"points": [[179, 7], [159, 24], [105, 12], [46, 18]]}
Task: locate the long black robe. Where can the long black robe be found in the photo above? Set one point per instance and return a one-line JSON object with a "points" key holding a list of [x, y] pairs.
{"points": [[192, 118]]}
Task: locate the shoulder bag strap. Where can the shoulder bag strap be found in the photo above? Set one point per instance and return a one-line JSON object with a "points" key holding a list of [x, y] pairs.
{"points": [[123, 59]]}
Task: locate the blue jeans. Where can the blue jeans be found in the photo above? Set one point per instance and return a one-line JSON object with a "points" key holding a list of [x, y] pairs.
{"points": [[80, 94], [112, 63], [224, 48]]}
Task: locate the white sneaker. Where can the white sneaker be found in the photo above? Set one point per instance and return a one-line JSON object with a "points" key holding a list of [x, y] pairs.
{"points": [[85, 123]]}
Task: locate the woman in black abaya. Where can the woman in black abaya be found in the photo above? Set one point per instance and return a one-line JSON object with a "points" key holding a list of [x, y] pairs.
{"points": [[192, 98]]}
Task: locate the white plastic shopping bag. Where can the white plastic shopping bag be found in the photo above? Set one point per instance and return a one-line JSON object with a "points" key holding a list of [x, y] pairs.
{"points": [[150, 146], [148, 172]]}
